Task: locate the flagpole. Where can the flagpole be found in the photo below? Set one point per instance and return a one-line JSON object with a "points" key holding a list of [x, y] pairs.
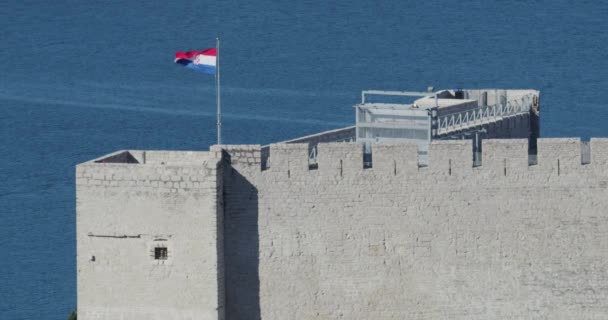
{"points": [[217, 82]]}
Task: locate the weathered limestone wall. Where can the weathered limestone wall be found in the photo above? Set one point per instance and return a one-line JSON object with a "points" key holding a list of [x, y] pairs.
{"points": [[501, 241], [241, 249], [124, 211]]}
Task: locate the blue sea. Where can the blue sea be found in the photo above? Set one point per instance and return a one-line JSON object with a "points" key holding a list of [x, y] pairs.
{"points": [[79, 79]]}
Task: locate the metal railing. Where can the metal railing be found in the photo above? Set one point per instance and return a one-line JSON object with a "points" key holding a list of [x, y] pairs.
{"points": [[483, 115], [365, 93]]}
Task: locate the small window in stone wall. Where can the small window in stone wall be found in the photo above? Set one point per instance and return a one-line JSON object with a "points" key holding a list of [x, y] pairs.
{"points": [[160, 253]]}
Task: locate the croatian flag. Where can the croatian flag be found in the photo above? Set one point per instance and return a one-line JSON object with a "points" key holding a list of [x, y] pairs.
{"points": [[203, 61]]}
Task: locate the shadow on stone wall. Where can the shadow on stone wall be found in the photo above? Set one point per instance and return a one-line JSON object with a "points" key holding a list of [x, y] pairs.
{"points": [[241, 246]]}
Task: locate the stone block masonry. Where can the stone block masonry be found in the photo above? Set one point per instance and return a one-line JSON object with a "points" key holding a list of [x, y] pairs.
{"points": [[149, 237], [395, 159], [504, 240]]}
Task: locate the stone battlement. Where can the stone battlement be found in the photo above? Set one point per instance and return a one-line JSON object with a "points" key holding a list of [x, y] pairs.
{"points": [[446, 157], [266, 232]]}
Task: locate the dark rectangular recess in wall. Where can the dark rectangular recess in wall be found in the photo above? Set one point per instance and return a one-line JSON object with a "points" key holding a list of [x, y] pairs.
{"points": [[585, 152], [312, 157], [160, 253], [265, 154], [476, 159], [532, 155], [367, 160]]}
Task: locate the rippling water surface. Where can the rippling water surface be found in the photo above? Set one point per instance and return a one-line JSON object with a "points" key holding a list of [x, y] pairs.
{"points": [[79, 79]]}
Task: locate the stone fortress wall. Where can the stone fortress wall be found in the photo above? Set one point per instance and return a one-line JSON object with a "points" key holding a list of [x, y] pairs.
{"points": [[504, 240], [130, 203]]}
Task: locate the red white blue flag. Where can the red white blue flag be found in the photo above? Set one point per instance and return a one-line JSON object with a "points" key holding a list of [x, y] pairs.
{"points": [[203, 60]]}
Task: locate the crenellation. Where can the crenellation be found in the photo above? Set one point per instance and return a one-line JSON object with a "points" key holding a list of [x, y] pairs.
{"points": [[240, 155], [340, 159], [289, 158], [395, 159], [599, 153], [559, 156], [505, 157], [451, 157]]}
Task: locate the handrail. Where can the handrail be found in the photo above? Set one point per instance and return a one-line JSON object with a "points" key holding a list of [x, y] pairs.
{"points": [[394, 93], [483, 115]]}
